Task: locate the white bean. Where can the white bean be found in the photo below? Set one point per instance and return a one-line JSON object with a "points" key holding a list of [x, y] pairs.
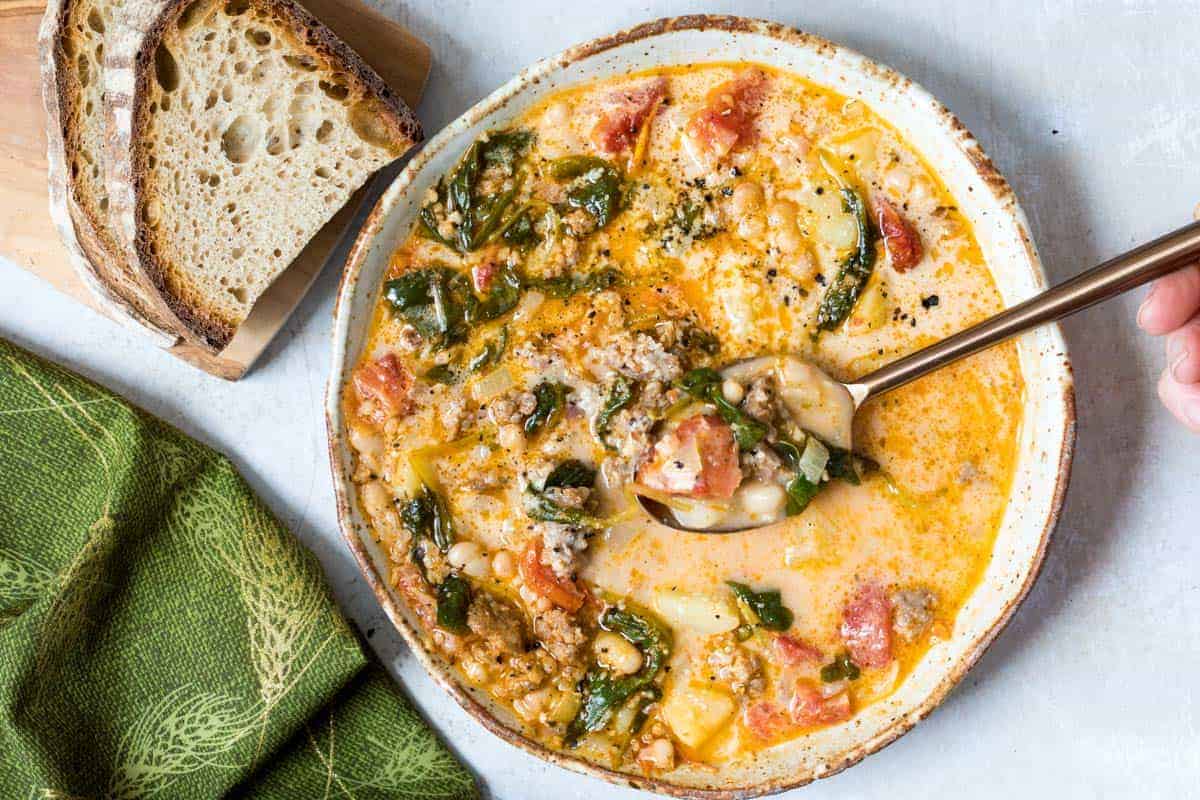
{"points": [[479, 567], [617, 654], [762, 499], [658, 754], [732, 391], [462, 553], [781, 216], [377, 502], [504, 565]]}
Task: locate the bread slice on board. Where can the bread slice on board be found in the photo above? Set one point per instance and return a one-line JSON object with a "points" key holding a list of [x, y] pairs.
{"points": [[237, 129], [71, 44]]}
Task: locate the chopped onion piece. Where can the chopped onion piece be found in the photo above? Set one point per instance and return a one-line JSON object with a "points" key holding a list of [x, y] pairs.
{"points": [[813, 460], [495, 383]]}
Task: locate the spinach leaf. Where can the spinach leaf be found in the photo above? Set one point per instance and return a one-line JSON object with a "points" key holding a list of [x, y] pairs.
{"points": [[571, 473], [596, 185], [519, 230], [841, 668], [800, 492], [852, 276], [432, 300], [565, 286], [538, 506], [501, 298], [842, 465], [491, 353], [426, 516], [704, 384], [848, 466], [443, 373], [429, 221], [453, 600], [481, 215], [551, 400], [620, 395], [766, 605], [604, 692]]}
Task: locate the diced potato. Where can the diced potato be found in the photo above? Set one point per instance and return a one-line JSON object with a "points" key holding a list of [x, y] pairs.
{"points": [[872, 311], [696, 713], [702, 613]]}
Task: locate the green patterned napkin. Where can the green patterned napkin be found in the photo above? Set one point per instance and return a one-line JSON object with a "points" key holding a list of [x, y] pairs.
{"points": [[162, 635]]}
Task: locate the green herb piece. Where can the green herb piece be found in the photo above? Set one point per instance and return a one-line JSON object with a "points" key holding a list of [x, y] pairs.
{"points": [[687, 220], [551, 400], [432, 300], [743, 632], [604, 692], [502, 297], [597, 185], [705, 384], [852, 276], [570, 474], [453, 600], [620, 395], [842, 668], [696, 338], [426, 516], [443, 373], [766, 605]]}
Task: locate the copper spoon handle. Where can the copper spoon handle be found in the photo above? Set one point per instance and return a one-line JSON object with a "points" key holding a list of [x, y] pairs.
{"points": [[1116, 276]]}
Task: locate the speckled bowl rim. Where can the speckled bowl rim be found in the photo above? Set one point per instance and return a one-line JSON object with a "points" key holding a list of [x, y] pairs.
{"points": [[438, 669]]}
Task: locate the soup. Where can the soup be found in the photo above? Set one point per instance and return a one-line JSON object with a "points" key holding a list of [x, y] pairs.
{"points": [[583, 287]]}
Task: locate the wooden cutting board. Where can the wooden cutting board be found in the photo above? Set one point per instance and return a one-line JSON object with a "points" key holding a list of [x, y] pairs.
{"points": [[28, 237]]}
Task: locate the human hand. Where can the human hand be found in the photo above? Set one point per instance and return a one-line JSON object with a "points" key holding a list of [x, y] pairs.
{"points": [[1172, 309]]}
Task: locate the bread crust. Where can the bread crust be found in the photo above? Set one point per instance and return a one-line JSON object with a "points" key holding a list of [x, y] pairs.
{"points": [[127, 107], [90, 246]]}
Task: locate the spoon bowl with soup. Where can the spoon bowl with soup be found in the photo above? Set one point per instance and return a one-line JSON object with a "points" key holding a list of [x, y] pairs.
{"points": [[753, 443]]}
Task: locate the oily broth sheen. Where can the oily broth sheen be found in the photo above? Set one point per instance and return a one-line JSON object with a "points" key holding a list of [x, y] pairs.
{"points": [[946, 444]]}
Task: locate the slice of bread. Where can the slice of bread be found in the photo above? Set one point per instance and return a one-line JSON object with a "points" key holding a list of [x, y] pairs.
{"points": [[72, 43], [237, 128]]}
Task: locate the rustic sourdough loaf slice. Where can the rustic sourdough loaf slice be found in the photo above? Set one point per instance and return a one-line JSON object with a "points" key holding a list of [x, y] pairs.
{"points": [[239, 127], [71, 44]]}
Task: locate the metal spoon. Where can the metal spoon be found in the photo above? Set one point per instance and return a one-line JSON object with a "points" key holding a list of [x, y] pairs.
{"points": [[1153, 260]]}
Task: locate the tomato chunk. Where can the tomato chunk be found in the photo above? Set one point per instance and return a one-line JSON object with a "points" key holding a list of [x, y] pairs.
{"points": [[388, 384], [767, 720], [867, 626], [809, 706], [483, 274], [796, 652], [628, 110], [540, 578], [727, 119], [698, 459], [901, 240]]}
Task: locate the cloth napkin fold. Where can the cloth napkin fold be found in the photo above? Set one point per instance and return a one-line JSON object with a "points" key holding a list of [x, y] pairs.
{"points": [[162, 635]]}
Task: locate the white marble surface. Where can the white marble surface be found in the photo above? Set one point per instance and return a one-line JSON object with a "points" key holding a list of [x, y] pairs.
{"points": [[1090, 108]]}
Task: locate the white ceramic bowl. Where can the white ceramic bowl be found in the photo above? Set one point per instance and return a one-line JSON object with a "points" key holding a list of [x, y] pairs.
{"points": [[1047, 433]]}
